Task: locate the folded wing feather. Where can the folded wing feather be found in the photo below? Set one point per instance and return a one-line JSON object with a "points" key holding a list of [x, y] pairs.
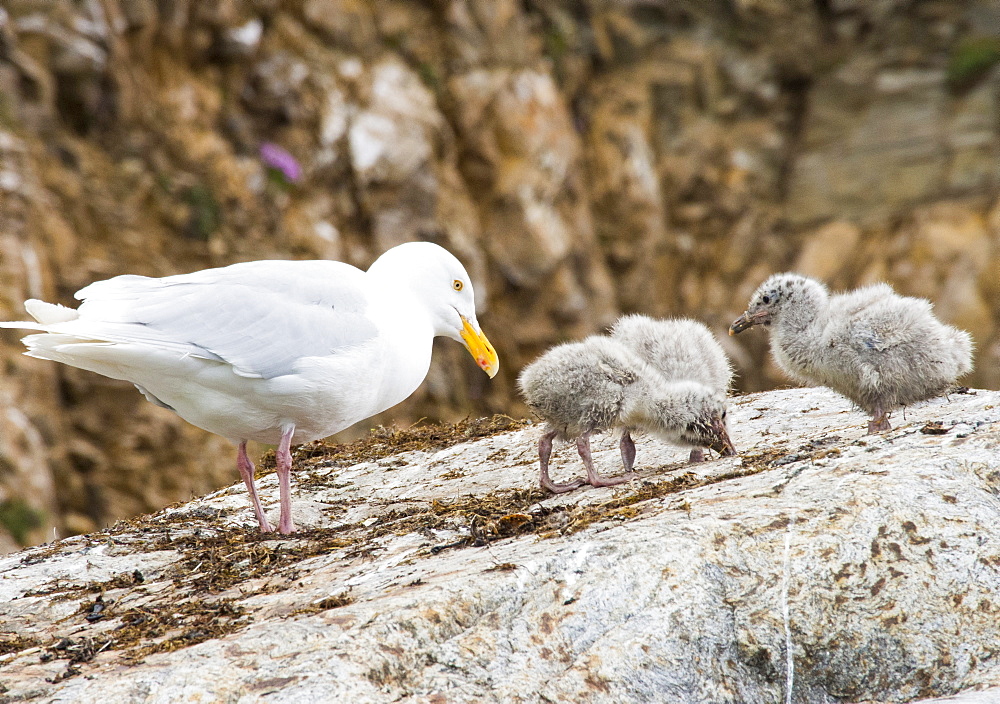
{"points": [[254, 316]]}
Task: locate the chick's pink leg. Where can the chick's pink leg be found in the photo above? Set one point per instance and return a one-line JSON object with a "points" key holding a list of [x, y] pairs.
{"points": [[593, 478], [879, 421], [627, 447], [245, 466], [544, 453]]}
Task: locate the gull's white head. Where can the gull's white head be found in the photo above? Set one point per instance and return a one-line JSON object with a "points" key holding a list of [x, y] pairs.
{"points": [[437, 279]]}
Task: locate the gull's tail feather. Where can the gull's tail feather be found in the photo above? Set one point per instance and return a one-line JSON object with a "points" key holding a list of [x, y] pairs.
{"points": [[44, 314], [109, 359], [49, 313], [58, 348]]}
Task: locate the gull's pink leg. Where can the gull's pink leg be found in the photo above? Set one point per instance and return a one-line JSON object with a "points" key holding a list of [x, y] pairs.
{"points": [[283, 459], [697, 455], [593, 478], [627, 447], [544, 452], [245, 466]]}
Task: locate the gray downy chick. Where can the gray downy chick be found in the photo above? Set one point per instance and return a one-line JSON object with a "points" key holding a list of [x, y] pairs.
{"points": [[879, 349], [598, 384], [681, 349]]}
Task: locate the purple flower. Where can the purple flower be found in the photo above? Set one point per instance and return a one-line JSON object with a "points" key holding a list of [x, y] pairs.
{"points": [[277, 158]]}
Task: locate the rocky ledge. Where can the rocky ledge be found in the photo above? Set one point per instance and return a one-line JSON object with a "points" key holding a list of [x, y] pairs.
{"points": [[819, 566]]}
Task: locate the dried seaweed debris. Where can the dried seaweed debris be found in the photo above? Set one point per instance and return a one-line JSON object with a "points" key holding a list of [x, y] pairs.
{"points": [[383, 442]]}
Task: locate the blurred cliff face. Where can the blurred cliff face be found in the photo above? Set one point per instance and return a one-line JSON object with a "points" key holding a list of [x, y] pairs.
{"points": [[583, 158]]}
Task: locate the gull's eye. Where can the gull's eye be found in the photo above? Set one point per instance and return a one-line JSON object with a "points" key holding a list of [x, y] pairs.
{"points": [[723, 414], [766, 300], [457, 285]]}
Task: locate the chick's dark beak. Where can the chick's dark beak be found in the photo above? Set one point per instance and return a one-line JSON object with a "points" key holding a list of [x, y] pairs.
{"points": [[720, 439], [739, 325], [747, 320]]}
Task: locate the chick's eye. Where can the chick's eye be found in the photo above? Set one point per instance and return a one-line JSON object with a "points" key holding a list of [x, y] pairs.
{"points": [[766, 299], [457, 285]]}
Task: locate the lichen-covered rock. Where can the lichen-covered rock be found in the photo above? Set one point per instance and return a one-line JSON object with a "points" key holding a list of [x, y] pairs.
{"points": [[821, 565]]}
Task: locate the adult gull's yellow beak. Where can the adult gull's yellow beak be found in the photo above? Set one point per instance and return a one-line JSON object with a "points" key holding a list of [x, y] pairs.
{"points": [[480, 348]]}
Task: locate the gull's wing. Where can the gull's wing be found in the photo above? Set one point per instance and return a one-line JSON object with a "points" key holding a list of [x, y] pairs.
{"points": [[259, 317]]}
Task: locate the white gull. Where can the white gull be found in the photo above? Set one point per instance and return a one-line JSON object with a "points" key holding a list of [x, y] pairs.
{"points": [[281, 352]]}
